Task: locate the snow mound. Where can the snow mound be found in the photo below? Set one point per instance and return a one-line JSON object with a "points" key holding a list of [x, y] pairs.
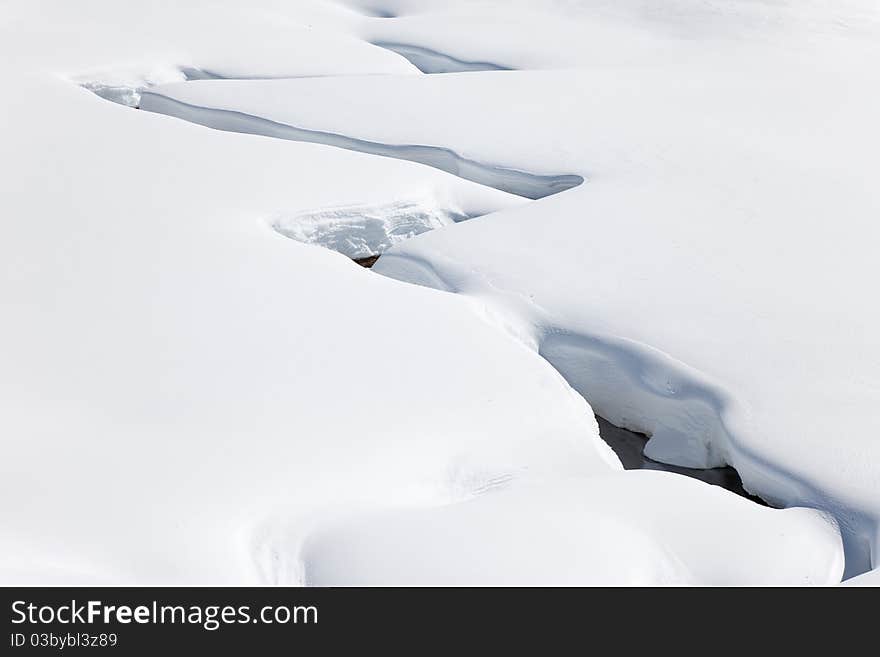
{"points": [[361, 231], [633, 528]]}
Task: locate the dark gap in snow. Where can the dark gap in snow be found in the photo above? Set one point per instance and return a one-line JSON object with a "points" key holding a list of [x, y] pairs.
{"points": [[630, 449], [432, 61], [367, 262]]}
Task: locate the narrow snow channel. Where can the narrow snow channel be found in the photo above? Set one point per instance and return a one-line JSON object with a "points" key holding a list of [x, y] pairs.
{"points": [[138, 91], [363, 233], [522, 183], [431, 61]]}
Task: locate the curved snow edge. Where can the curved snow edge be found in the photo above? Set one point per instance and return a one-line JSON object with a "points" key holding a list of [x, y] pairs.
{"points": [[432, 61], [521, 183], [692, 420]]}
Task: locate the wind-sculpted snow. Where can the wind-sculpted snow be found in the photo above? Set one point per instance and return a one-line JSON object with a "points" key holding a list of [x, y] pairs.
{"points": [[708, 287], [517, 182], [630, 385], [125, 87], [361, 231], [621, 529], [685, 415], [431, 61], [643, 390]]}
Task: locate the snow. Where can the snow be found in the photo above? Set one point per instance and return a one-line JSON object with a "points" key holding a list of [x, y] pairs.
{"points": [[361, 231], [634, 528], [431, 61], [192, 397], [870, 578], [174, 103]]}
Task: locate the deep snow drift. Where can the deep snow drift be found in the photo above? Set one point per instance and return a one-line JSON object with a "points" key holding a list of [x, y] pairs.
{"points": [[168, 351]]}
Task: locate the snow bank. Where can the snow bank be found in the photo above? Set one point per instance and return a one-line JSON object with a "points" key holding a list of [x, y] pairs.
{"points": [[431, 61], [173, 101], [634, 528], [248, 409], [180, 381]]}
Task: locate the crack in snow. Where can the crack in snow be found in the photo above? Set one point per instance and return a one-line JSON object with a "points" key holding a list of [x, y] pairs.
{"points": [[689, 418], [633, 386], [431, 61], [514, 181], [691, 434]]}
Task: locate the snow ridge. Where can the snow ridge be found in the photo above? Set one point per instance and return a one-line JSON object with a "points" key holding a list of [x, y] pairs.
{"points": [[514, 181], [431, 61], [126, 87], [634, 386], [690, 419]]}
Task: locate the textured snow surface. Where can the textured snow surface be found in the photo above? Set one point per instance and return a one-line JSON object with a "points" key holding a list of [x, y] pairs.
{"points": [[191, 397], [360, 231]]}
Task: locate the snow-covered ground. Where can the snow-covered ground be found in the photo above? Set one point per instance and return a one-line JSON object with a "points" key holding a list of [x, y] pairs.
{"points": [[661, 211]]}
